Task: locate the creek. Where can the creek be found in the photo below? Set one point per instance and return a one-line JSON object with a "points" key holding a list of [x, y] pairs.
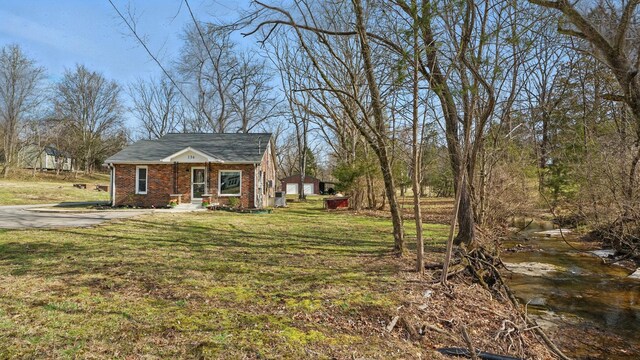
{"points": [[568, 287]]}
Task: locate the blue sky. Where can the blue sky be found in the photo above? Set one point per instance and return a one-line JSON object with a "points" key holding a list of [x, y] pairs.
{"points": [[58, 34]]}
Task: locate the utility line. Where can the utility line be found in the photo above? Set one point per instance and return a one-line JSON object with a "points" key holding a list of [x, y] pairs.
{"points": [[155, 59], [204, 42]]}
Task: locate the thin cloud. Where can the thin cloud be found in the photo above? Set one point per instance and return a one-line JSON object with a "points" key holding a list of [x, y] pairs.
{"points": [[19, 28]]}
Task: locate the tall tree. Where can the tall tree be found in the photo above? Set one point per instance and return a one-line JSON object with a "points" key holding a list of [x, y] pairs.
{"points": [[157, 106], [288, 61], [416, 152], [19, 80], [325, 56], [472, 52], [209, 65], [251, 95], [91, 106]]}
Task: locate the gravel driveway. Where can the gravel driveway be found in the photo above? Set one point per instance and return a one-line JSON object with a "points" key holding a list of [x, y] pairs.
{"points": [[28, 217]]}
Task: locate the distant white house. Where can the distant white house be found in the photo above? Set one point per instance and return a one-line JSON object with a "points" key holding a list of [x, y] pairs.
{"points": [[48, 158]]}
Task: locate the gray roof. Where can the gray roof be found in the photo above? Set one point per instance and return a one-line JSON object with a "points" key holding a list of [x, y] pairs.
{"points": [[53, 151], [244, 148]]}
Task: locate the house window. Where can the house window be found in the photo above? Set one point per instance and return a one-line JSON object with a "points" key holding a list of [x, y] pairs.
{"points": [[230, 182], [141, 179]]}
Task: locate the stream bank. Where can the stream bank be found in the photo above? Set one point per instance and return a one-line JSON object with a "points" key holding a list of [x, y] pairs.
{"points": [[591, 309]]}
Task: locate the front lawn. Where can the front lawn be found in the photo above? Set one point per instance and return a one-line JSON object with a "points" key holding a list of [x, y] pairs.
{"points": [[24, 189], [296, 283]]}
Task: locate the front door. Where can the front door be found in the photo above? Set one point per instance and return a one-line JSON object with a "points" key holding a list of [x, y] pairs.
{"points": [[198, 183]]}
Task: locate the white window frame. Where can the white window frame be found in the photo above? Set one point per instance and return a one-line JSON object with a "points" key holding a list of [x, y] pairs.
{"points": [[146, 179], [220, 181]]}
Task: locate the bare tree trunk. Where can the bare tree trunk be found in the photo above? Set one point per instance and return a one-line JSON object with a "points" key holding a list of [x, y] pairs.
{"points": [[303, 166], [630, 193], [452, 229], [376, 105], [370, 192], [415, 147], [482, 192], [466, 227]]}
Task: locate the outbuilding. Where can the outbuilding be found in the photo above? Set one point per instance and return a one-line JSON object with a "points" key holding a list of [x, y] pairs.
{"points": [[290, 185], [45, 159]]}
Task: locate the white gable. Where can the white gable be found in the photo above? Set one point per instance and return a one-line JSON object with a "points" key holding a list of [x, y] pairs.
{"points": [[189, 155]]}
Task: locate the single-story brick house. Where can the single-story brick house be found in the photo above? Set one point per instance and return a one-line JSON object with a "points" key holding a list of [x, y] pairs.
{"points": [[192, 168]]}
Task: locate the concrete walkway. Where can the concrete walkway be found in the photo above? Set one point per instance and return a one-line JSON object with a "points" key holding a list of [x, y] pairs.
{"points": [[31, 217]]}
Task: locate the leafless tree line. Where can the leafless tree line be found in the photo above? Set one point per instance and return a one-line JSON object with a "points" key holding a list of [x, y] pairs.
{"points": [[491, 85], [81, 114], [213, 86]]}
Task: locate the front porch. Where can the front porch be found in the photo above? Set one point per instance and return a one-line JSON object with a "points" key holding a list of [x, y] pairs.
{"points": [[204, 201], [212, 183]]}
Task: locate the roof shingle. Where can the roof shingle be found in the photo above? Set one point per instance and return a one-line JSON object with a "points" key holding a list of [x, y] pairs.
{"points": [[229, 148]]}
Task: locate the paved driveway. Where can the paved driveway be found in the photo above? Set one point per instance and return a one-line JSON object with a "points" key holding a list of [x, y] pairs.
{"points": [[27, 216]]}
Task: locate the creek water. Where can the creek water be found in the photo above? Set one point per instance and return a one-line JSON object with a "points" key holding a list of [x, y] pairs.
{"points": [[563, 283]]}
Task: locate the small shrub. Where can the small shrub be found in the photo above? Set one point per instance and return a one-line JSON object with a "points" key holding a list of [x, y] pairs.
{"points": [[234, 202], [173, 203]]}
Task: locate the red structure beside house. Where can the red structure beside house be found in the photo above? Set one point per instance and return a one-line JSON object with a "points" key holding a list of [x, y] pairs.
{"points": [[192, 168]]}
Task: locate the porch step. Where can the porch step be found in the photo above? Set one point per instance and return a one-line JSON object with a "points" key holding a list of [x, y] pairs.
{"points": [[189, 206]]}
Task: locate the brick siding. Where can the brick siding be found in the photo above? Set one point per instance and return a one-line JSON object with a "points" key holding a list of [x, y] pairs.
{"points": [[159, 186], [160, 183]]}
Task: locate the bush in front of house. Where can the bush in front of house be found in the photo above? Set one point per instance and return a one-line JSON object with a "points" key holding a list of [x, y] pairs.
{"points": [[234, 202]]}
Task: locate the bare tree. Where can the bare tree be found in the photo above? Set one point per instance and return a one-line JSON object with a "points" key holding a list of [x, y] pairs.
{"points": [[19, 80], [208, 64], [286, 58], [252, 97], [90, 105], [545, 90], [416, 152], [157, 106], [369, 116], [472, 53]]}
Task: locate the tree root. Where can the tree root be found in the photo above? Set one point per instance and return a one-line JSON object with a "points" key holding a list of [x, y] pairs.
{"points": [[467, 340]]}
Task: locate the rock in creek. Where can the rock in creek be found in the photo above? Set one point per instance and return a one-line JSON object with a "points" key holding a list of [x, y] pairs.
{"points": [[636, 274], [533, 268], [554, 233], [604, 253]]}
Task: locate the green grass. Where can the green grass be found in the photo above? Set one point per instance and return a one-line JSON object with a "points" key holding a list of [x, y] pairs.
{"points": [[297, 283], [24, 189]]}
